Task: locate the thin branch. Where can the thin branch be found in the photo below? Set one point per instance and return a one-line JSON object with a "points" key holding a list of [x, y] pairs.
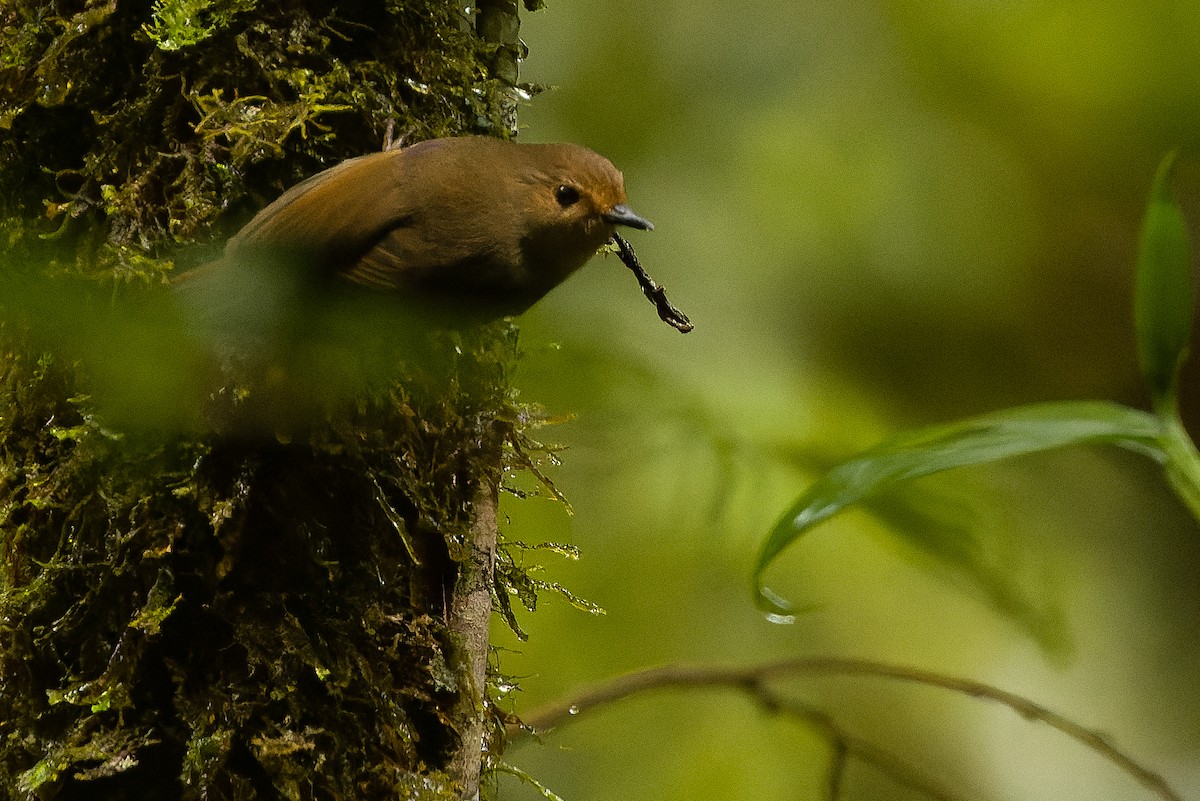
{"points": [[845, 745], [837, 769], [470, 614], [751, 677], [653, 292]]}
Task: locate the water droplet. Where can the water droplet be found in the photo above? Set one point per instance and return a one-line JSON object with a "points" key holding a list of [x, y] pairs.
{"points": [[572, 710]]}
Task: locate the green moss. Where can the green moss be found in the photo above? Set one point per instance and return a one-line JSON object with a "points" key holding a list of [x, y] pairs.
{"points": [[176, 24], [201, 110], [246, 603], [243, 608]]}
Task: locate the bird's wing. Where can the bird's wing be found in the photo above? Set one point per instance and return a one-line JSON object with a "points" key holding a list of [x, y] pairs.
{"points": [[336, 215]]}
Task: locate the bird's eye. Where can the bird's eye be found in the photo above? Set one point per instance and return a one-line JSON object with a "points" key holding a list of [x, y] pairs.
{"points": [[566, 195]]}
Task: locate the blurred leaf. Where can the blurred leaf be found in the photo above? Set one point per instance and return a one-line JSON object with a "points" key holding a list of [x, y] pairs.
{"points": [[1163, 302], [943, 522], [975, 441], [144, 369]]}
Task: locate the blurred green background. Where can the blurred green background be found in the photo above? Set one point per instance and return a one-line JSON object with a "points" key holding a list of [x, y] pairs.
{"points": [[879, 215]]}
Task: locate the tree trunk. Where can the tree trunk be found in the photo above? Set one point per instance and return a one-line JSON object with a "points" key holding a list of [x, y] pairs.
{"points": [[198, 599]]}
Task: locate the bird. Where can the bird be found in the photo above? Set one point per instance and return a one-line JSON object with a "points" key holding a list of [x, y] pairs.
{"points": [[474, 224], [323, 289]]}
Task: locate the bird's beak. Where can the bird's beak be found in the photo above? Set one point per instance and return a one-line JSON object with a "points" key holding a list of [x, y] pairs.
{"points": [[623, 215]]}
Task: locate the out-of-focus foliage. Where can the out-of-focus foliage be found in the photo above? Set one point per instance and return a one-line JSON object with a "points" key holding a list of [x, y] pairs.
{"points": [[1163, 304], [1163, 314], [880, 216]]}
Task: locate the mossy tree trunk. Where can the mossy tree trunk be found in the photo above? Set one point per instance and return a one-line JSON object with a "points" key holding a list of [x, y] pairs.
{"points": [[219, 611]]}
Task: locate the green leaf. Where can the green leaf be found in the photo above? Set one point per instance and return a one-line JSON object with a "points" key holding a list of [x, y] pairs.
{"points": [[1163, 301], [975, 441]]}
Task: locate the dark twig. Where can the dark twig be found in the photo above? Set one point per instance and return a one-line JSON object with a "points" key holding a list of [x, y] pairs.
{"points": [[657, 294], [837, 768], [752, 677], [844, 746]]}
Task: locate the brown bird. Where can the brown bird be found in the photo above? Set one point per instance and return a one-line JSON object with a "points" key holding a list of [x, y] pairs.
{"points": [[483, 222], [452, 232]]}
